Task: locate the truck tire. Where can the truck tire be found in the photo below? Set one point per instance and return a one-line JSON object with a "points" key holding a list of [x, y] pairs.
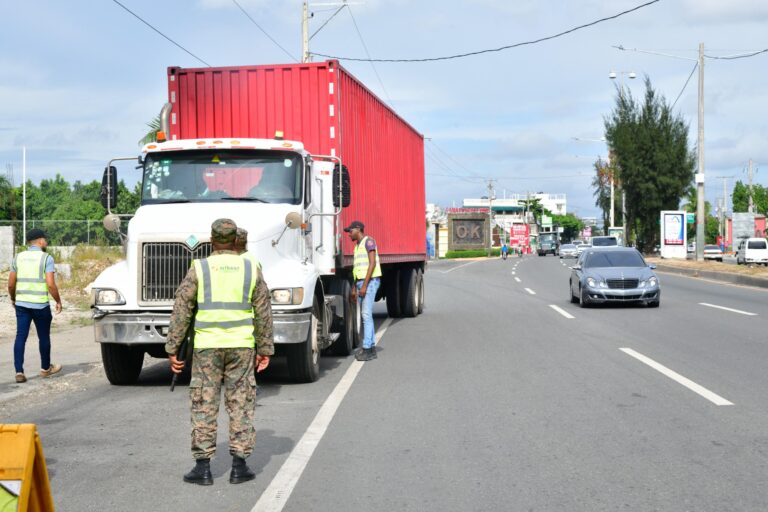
{"points": [[409, 289], [421, 291], [304, 358], [393, 294], [350, 324], [122, 363]]}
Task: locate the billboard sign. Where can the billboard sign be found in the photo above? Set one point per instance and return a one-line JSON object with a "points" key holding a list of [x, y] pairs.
{"points": [[518, 235], [673, 234]]}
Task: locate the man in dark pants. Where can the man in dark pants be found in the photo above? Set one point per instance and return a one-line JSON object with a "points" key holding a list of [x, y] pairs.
{"points": [[30, 283], [367, 275], [233, 333]]}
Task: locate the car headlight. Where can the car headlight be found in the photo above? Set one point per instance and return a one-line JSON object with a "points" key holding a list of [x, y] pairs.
{"points": [[653, 282], [107, 297], [591, 282], [291, 296]]}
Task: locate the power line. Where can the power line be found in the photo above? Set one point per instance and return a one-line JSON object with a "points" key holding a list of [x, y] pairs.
{"points": [[684, 86], [365, 47], [264, 31], [741, 56], [470, 54], [454, 160], [156, 30], [327, 21]]}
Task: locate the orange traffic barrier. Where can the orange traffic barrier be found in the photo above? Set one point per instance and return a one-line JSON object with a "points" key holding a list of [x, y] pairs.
{"points": [[24, 484]]}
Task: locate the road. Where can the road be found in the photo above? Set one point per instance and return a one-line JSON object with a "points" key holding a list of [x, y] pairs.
{"points": [[502, 396]]}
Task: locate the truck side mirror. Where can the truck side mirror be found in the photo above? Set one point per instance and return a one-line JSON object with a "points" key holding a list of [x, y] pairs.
{"points": [[341, 186], [108, 194]]}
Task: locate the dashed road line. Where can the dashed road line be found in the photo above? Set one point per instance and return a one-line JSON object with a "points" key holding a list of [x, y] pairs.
{"points": [[747, 313], [561, 311], [696, 388], [460, 266], [517, 279], [276, 495], [530, 291]]}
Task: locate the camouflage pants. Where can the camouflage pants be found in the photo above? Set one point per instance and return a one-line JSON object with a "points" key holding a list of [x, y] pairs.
{"points": [[232, 367]]}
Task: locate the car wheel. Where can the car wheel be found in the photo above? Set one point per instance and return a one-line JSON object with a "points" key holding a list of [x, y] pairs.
{"points": [[584, 302], [574, 299]]}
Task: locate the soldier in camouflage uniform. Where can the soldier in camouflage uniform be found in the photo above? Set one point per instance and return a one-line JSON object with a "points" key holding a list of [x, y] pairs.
{"points": [[212, 367]]}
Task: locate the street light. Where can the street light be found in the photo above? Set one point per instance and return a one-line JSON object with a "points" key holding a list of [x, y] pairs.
{"points": [[613, 75]]}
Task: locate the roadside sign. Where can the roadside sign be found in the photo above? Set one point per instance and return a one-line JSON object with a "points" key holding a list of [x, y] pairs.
{"points": [[690, 218]]}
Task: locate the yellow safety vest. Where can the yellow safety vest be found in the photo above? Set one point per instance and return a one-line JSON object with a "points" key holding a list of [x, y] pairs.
{"points": [[30, 277], [360, 270], [225, 284]]}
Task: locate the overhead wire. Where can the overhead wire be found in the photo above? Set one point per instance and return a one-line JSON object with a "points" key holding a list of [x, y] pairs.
{"points": [[159, 32], [685, 85], [263, 31], [491, 50], [740, 56], [327, 21], [365, 47]]}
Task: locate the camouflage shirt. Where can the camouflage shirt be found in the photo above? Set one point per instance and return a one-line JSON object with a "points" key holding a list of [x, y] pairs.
{"points": [[186, 300]]}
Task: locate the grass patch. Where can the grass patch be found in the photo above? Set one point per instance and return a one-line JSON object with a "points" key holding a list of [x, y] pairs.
{"points": [[86, 264], [473, 253]]}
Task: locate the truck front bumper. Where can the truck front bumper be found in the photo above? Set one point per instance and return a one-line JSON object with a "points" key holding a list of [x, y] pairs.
{"points": [[139, 328]]}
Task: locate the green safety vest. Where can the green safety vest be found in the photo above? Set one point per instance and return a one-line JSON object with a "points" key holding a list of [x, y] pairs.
{"points": [[30, 277], [225, 284], [360, 270]]}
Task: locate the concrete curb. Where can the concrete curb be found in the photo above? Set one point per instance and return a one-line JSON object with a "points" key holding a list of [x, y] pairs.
{"points": [[725, 277]]}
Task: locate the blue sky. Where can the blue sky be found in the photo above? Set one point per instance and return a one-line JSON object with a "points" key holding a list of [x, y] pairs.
{"points": [[79, 80]]}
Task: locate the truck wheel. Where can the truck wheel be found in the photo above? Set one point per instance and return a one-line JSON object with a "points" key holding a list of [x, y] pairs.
{"points": [[122, 363], [410, 292], [393, 294], [350, 324], [421, 291], [304, 358]]}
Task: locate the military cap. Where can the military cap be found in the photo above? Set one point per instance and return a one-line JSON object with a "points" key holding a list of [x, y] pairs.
{"points": [[34, 234], [223, 231], [242, 234], [355, 224]]}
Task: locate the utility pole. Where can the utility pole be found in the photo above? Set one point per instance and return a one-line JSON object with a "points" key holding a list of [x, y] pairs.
{"points": [[751, 208], [305, 57], [700, 198]]}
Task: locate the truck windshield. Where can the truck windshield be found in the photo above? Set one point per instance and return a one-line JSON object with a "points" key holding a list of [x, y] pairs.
{"points": [[222, 175]]}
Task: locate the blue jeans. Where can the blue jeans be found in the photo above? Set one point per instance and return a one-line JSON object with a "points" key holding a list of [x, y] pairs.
{"points": [[24, 318], [366, 309]]}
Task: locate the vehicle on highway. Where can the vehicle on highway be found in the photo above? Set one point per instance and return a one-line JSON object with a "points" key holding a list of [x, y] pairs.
{"points": [[713, 252], [752, 250], [568, 251], [618, 274], [605, 241], [582, 247], [548, 244]]}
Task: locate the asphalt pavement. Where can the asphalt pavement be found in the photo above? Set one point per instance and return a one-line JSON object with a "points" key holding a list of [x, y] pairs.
{"points": [[502, 395]]}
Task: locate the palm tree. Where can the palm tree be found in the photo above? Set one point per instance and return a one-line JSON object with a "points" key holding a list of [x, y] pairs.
{"points": [[151, 136]]}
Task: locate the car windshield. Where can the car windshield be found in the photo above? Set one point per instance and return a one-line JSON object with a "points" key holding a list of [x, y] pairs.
{"points": [[216, 175], [567, 246], [600, 259], [756, 244], [604, 242]]}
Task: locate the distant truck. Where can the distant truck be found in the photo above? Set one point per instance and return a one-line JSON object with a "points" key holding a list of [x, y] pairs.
{"points": [[293, 153], [548, 244]]}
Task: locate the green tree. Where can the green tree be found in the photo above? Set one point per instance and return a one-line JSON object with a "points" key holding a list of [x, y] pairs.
{"points": [[7, 200], [740, 198], [534, 206], [601, 184], [571, 225], [654, 164], [151, 136]]}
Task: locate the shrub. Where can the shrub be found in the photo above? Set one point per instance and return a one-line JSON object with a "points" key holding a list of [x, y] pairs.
{"points": [[473, 253]]}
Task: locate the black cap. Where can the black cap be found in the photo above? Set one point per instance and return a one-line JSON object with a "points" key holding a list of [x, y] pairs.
{"points": [[34, 234], [355, 224]]}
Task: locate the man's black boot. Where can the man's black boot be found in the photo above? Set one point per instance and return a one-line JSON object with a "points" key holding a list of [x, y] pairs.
{"points": [[201, 473], [240, 471], [366, 354]]}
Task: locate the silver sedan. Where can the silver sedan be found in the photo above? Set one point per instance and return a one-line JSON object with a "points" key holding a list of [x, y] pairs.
{"points": [[568, 251], [617, 274]]}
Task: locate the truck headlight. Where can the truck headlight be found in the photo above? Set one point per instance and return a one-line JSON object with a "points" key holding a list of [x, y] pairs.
{"points": [[292, 296], [107, 297]]}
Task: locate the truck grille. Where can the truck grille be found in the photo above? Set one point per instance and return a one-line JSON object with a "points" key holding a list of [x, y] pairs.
{"points": [[164, 265], [622, 284]]}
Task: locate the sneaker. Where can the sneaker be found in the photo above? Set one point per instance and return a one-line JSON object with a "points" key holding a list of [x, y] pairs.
{"points": [[366, 354], [20, 378], [54, 368]]}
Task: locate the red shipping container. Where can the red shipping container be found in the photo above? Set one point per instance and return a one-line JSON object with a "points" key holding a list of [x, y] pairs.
{"points": [[323, 106]]}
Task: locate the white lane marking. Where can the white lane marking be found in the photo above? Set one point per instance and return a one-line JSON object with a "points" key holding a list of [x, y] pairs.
{"points": [[276, 495], [456, 268], [517, 279], [561, 311], [696, 388], [530, 291], [513, 272], [728, 309]]}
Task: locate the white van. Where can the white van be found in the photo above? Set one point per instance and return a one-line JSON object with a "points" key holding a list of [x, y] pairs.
{"points": [[752, 250]]}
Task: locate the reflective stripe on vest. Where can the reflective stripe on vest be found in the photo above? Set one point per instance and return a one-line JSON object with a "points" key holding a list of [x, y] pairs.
{"points": [[30, 277], [360, 269], [225, 284]]}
